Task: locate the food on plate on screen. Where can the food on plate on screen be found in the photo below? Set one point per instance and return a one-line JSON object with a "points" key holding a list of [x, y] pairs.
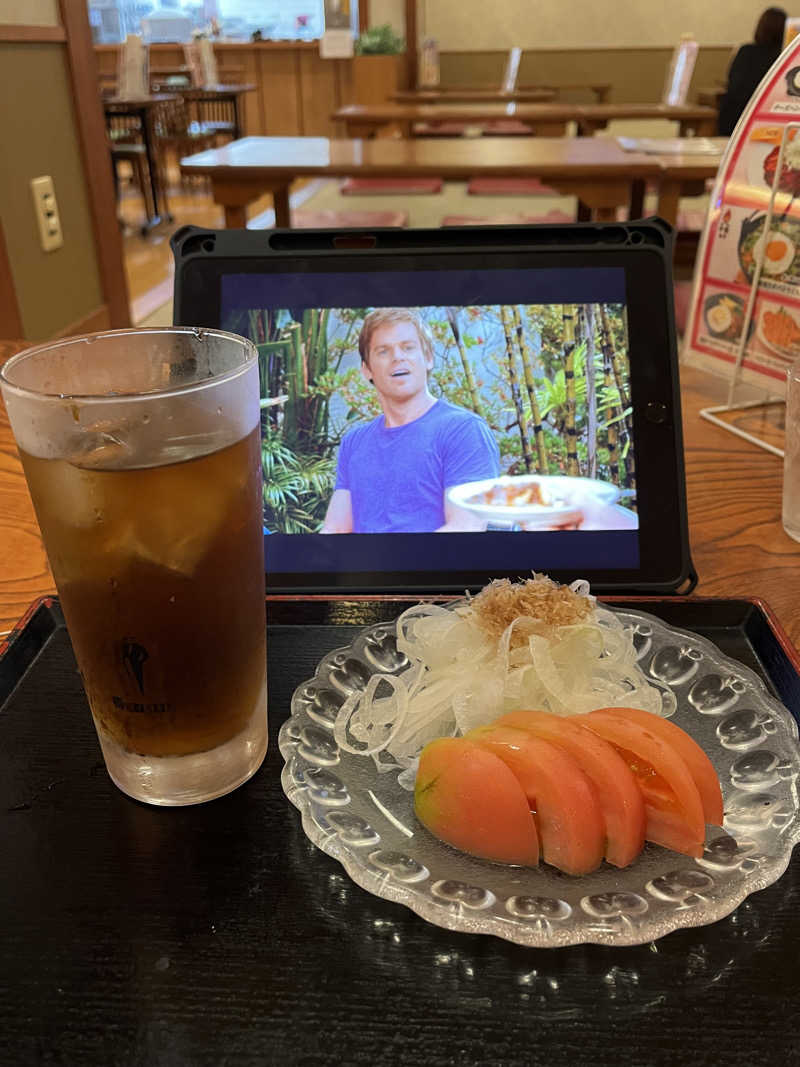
{"points": [[514, 496], [590, 775]]}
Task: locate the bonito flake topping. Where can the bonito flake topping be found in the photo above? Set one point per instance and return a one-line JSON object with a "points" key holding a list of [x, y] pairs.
{"points": [[544, 602]]}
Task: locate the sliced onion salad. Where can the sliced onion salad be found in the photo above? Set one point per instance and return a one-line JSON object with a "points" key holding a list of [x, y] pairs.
{"points": [[459, 676]]}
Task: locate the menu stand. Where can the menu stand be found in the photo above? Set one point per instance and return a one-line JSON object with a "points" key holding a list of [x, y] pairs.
{"points": [[711, 414]]}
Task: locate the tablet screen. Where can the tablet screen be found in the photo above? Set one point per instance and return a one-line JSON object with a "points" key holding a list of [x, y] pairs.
{"points": [[400, 406]]}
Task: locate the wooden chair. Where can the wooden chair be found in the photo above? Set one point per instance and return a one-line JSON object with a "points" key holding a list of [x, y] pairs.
{"points": [[125, 145], [176, 132], [134, 154], [216, 115]]}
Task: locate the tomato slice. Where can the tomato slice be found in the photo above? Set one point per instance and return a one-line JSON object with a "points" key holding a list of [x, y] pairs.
{"points": [[571, 827], [700, 766], [618, 796], [672, 802], [667, 828], [468, 797]]}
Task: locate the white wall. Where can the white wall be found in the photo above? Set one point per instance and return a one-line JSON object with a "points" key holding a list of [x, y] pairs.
{"points": [[391, 11], [29, 12], [476, 25]]}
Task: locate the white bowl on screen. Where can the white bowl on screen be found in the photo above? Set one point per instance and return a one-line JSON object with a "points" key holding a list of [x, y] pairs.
{"points": [[538, 501]]}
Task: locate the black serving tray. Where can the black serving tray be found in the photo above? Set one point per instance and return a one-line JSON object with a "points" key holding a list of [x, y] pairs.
{"points": [[219, 934]]}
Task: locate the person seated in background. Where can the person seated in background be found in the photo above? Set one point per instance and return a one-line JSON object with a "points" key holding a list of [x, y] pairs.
{"points": [[749, 66]]}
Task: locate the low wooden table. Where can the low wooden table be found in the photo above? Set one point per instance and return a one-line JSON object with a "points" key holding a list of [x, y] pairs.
{"points": [[683, 175], [734, 501], [363, 120], [24, 570], [478, 93], [408, 119], [596, 170], [691, 118], [710, 95]]}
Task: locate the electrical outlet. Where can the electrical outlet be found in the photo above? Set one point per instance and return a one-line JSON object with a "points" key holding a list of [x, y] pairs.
{"points": [[46, 208]]}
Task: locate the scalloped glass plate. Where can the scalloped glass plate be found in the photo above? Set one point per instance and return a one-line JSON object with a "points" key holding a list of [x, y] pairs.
{"points": [[365, 819]]}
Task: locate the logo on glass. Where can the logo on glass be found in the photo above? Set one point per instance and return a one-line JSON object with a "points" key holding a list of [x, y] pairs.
{"points": [[134, 657]]}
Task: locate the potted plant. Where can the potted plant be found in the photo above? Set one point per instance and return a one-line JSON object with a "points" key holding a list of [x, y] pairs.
{"points": [[377, 65]]}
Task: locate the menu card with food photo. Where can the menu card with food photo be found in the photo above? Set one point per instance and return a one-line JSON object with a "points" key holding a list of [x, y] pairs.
{"points": [[745, 309]]}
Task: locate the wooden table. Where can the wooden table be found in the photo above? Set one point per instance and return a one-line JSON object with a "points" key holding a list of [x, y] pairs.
{"points": [[734, 501], [143, 110], [410, 119], [184, 70], [478, 93], [475, 95], [596, 170], [710, 95], [691, 118], [24, 571], [362, 120], [683, 175]]}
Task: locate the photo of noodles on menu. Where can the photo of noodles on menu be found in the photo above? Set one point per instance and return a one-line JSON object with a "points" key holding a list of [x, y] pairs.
{"points": [[445, 419], [737, 238]]}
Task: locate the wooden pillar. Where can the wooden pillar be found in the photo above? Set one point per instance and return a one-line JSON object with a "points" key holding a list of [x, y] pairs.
{"points": [[10, 316], [411, 44], [96, 159]]}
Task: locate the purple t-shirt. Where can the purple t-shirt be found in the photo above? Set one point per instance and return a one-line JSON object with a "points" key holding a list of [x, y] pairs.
{"points": [[397, 475]]}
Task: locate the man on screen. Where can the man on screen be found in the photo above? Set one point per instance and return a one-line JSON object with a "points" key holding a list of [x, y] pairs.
{"points": [[393, 473]]}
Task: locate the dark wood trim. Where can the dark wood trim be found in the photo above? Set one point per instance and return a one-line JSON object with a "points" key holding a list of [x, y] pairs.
{"points": [[10, 315], [96, 159], [412, 44], [363, 15], [10, 33], [96, 320]]}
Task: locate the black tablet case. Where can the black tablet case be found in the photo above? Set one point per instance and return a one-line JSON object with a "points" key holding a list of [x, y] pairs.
{"points": [[192, 245]]}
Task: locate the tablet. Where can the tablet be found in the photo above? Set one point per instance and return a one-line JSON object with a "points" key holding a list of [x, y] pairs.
{"points": [[442, 407]]}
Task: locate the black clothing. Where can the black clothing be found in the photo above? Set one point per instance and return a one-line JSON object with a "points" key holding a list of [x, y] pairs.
{"points": [[749, 66]]}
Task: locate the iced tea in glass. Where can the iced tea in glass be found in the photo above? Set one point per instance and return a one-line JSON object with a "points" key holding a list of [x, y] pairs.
{"points": [[142, 453]]}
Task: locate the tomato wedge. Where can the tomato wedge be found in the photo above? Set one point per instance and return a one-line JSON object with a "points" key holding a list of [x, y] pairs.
{"points": [[568, 818], [467, 796], [618, 796], [672, 802], [700, 766]]}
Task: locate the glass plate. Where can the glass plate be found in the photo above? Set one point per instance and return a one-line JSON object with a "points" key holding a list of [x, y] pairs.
{"points": [[365, 820]]}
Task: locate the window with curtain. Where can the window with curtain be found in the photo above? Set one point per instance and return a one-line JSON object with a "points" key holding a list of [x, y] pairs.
{"points": [[177, 20]]}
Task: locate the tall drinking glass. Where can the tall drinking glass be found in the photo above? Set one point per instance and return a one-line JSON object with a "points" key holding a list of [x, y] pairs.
{"points": [[141, 450]]}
